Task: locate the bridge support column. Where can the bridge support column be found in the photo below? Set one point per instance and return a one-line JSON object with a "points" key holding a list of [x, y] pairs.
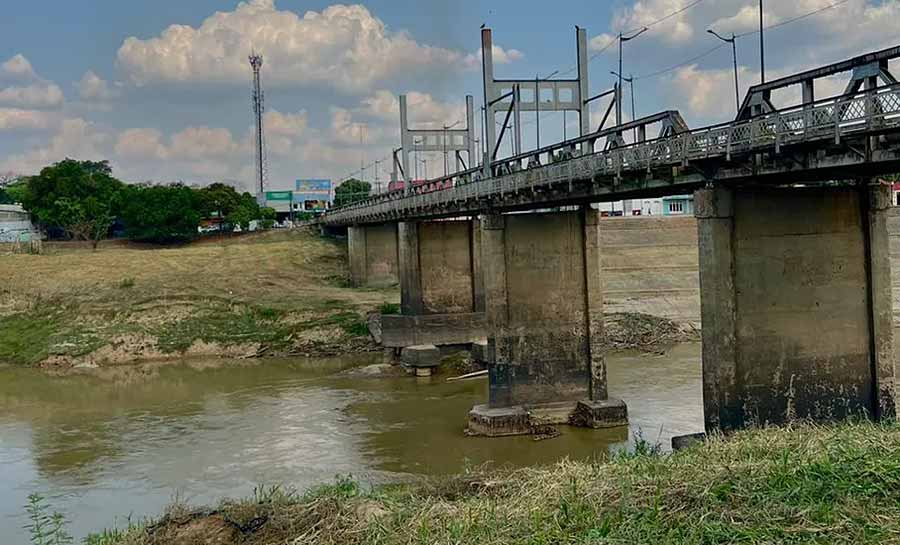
{"points": [[544, 306], [441, 292], [372, 252], [796, 304]]}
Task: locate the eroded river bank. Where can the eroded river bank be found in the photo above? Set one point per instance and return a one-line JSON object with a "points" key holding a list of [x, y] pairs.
{"points": [[103, 447]]}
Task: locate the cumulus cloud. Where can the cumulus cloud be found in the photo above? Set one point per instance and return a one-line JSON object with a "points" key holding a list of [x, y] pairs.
{"points": [[500, 55], [342, 46], [203, 142], [16, 119], [93, 88], [74, 137], [32, 96], [141, 144], [18, 67], [423, 108]]}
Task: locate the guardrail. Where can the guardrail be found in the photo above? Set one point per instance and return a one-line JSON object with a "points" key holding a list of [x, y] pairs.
{"points": [[827, 120]]}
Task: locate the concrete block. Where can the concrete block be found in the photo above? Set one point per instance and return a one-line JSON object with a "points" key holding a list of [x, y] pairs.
{"points": [[609, 413], [421, 356], [685, 441], [480, 351], [498, 422]]}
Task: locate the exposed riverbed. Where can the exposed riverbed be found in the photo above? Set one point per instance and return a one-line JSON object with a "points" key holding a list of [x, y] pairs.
{"points": [[129, 441]]}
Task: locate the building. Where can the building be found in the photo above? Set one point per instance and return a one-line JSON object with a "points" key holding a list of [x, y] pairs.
{"points": [[314, 195], [280, 201], [678, 205], [15, 224]]}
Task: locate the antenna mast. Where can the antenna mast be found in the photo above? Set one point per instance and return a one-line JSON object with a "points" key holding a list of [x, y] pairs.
{"points": [[259, 108]]}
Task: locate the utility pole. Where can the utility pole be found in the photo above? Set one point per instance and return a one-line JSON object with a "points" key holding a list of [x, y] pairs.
{"points": [[377, 185], [259, 108], [733, 42], [622, 40], [762, 44]]}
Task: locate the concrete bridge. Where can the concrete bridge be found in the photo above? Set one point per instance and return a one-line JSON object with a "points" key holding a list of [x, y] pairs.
{"points": [[792, 248]]}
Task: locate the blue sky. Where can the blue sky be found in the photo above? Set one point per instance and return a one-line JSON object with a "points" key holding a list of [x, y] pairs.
{"points": [[161, 89]]}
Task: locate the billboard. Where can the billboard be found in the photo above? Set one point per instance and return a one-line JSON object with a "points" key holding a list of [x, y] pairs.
{"points": [[313, 190]]}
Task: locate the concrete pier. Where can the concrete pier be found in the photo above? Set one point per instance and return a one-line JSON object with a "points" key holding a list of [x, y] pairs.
{"points": [[796, 304], [372, 252], [441, 287], [544, 307]]}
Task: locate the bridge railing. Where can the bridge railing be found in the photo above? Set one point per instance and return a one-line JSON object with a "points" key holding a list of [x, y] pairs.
{"points": [[834, 118]]}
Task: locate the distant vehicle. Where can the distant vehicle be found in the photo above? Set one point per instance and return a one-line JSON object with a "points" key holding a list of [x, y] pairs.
{"points": [[421, 186]]}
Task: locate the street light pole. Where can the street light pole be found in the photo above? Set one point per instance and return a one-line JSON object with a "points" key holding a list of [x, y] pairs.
{"points": [[762, 44], [733, 42], [537, 104], [630, 81], [622, 40]]}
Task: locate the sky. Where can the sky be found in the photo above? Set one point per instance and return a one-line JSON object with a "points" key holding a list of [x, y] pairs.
{"points": [[162, 89]]}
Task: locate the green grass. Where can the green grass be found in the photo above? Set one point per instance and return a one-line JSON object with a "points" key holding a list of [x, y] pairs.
{"points": [[25, 337], [798, 485]]}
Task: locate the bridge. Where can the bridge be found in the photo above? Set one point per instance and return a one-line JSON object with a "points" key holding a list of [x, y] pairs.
{"points": [[795, 278]]}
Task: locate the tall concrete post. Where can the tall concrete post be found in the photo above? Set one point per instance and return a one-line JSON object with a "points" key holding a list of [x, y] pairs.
{"points": [[796, 304], [584, 112], [410, 269], [406, 144], [372, 253], [881, 299], [487, 67]]}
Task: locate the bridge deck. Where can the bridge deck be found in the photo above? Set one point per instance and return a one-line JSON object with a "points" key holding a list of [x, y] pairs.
{"points": [[839, 138]]}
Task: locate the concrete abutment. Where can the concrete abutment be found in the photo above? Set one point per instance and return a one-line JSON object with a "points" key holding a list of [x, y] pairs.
{"points": [[796, 304]]}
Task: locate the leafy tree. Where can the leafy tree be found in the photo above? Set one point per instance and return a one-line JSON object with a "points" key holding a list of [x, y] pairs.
{"points": [[160, 213], [351, 191], [267, 216], [75, 196], [246, 211], [219, 200]]}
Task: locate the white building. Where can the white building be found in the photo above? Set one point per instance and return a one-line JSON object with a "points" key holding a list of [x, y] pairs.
{"points": [[15, 224]]}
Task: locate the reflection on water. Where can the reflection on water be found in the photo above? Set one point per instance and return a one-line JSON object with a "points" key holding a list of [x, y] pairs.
{"points": [[125, 442]]}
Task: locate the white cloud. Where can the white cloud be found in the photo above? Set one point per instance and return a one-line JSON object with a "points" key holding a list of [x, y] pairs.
{"points": [[75, 138], [203, 142], [423, 109], [343, 46], [16, 119], [141, 144], [500, 55], [280, 124], [18, 67], [32, 96], [93, 88]]}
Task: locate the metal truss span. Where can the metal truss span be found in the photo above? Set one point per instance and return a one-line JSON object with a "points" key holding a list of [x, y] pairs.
{"points": [[850, 136]]}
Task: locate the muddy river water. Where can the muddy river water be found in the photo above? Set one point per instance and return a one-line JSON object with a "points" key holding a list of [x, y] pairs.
{"points": [[125, 442]]}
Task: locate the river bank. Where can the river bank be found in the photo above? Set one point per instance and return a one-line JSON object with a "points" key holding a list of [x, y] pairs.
{"points": [[801, 484], [282, 293]]}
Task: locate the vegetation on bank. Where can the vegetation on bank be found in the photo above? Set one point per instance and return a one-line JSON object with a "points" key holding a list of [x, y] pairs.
{"points": [[802, 484], [271, 293], [81, 200]]}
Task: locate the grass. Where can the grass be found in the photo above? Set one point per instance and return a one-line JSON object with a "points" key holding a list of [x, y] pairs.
{"points": [[800, 485], [273, 292]]}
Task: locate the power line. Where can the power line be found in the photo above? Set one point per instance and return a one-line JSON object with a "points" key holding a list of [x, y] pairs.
{"points": [[665, 17], [750, 33], [794, 19], [681, 64]]}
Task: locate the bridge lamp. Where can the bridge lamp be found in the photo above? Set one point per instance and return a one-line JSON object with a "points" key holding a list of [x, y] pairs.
{"points": [[622, 40], [733, 42]]}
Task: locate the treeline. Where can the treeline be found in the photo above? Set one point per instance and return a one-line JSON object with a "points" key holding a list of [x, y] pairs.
{"points": [[81, 200]]}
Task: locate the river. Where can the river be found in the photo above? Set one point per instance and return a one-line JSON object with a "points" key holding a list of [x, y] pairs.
{"points": [[127, 441]]}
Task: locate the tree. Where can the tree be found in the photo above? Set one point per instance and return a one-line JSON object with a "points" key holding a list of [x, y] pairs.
{"points": [[75, 196], [218, 200], [160, 213], [351, 191]]}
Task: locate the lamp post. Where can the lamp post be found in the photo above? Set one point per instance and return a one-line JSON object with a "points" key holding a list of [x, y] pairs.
{"points": [[537, 104], [622, 40], [733, 42], [630, 81], [762, 44]]}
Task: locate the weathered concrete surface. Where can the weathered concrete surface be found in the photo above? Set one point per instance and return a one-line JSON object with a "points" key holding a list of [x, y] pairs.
{"points": [[796, 319], [398, 331], [650, 266], [544, 304], [441, 294], [426, 355], [372, 252]]}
